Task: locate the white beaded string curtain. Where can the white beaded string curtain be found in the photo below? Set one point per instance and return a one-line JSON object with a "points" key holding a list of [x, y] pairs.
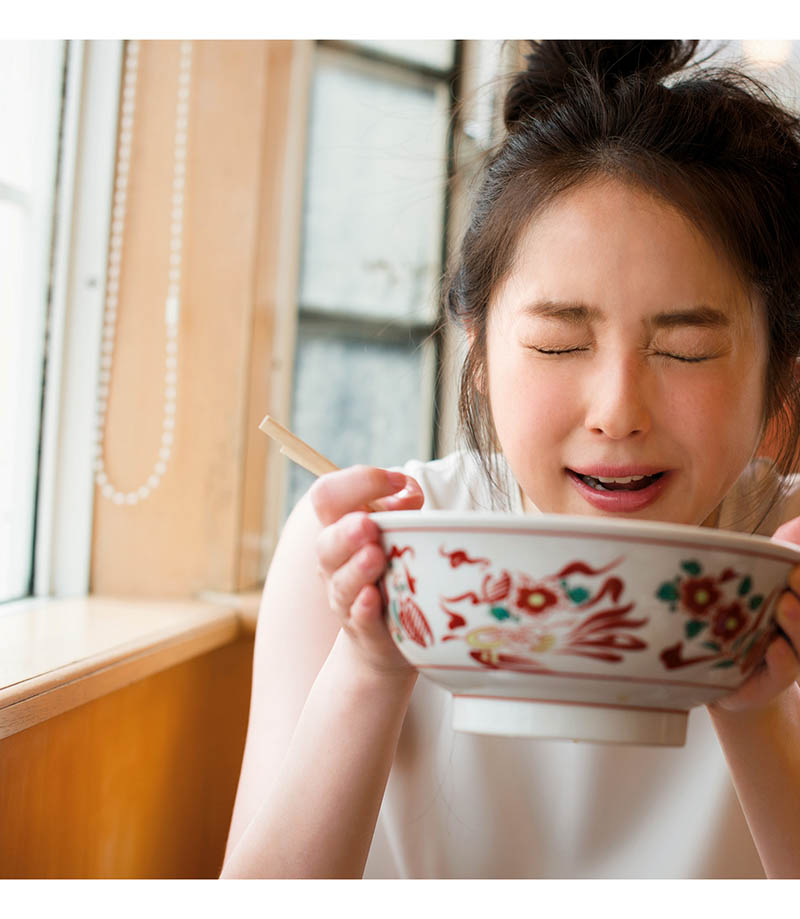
{"points": [[172, 304]]}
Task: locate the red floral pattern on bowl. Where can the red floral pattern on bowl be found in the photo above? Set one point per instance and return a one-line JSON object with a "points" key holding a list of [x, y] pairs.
{"points": [[582, 628]]}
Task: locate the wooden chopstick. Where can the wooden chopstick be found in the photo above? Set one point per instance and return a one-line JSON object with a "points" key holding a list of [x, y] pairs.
{"points": [[296, 449], [299, 451]]}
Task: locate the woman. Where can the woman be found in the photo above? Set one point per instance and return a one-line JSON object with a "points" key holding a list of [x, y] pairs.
{"points": [[629, 286]]}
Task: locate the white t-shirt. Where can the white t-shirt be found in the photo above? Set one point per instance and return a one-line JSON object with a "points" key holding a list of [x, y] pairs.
{"points": [[461, 805]]}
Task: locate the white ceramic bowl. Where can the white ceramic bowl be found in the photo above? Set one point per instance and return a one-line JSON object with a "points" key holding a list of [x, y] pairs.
{"points": [[579, 627]]}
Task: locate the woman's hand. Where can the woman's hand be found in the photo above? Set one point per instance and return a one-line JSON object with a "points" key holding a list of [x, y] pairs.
{"points": [[781, 665], [351, 558]]}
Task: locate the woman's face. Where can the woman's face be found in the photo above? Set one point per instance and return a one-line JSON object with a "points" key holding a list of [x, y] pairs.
{"points": [[622, 345]]}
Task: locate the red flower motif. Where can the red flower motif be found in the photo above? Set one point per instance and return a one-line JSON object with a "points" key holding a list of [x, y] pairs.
{"points": [[699, 594], [728, 621], [535, 600]]}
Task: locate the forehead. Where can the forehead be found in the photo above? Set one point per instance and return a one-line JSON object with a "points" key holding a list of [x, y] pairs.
{"points": [[611, 245]]}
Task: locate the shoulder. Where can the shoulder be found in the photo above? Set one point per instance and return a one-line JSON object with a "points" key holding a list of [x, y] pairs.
{"points": [[761, 500], [459, 481]]}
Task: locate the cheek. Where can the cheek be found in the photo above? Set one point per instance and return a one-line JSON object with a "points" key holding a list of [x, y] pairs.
{"points": [[719, 419], [531, 405]]}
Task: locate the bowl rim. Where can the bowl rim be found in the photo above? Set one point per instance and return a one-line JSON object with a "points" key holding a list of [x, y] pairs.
{"points": [[648, 531]]}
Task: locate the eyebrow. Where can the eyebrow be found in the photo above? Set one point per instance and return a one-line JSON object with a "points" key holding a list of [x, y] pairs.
{"points": [[576, 313]]}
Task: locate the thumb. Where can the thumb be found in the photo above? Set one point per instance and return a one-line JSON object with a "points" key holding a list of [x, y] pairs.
{"points": [[789, 532]]}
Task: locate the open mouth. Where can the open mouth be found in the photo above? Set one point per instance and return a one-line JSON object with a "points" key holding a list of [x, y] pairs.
{"points": [[620, 494], [622, 483]]}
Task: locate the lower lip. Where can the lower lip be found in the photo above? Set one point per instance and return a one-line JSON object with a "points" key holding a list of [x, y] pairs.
{"points": [[620, 502]]}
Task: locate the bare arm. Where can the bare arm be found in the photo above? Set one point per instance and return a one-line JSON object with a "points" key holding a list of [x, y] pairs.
{"points": [[318, 818], [759, 730], [763, 752], [330, 692]]}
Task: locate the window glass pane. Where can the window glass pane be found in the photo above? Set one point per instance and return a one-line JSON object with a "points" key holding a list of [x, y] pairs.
{"points": [[374, 191], [433, 52], [360, 402], [30, 92], [20, 386], [25, 75], [15, 450]]}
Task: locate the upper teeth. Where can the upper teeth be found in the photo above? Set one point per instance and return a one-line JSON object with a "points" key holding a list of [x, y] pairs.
{"points": [[624, 480]]}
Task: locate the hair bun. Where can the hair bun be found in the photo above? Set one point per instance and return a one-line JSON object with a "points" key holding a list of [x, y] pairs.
{"points": [[557, 67]]}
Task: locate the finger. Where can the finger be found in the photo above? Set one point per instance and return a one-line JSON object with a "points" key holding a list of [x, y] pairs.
{"points": [[794, 580], [410, 498], [342, 539], [780, 669], [368, 627], [338, 493], [367, 608], [346, 583], [788, 619], [789, 532]]}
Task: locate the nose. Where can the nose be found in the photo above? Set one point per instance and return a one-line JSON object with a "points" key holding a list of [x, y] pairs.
{"points": [[617, 400]]}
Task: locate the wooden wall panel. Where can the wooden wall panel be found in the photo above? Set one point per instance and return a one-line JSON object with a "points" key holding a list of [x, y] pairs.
{"points": [[187, 536], [137, 784]]}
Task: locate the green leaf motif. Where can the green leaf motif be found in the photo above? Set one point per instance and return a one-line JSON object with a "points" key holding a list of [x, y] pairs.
{"points": [[755, 601], [500, 613], [691, 567], [668, 592], [744, 587], [711, 645], [694, 627], [722, 664], [578, 594]]}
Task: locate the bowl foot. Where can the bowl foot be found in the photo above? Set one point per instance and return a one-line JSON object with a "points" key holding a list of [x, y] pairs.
{"points": [[572, 721]]}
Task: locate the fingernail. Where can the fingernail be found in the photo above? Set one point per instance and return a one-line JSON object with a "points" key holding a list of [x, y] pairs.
{"points": [[396, 479]]}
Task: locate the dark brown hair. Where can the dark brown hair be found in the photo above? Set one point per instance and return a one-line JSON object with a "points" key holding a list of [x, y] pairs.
{"points": [[715, 143]]}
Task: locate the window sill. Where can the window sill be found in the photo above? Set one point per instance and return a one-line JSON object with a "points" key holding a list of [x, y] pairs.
{"points": [[58, 654]]}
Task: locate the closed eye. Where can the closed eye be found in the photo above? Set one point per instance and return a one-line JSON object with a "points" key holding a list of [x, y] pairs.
{"points": [[557, 351], [670, 356], [683, 359]]}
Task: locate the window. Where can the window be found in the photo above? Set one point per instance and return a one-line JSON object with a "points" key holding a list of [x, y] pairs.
{"points": [[31, 76], [372, 247]]}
